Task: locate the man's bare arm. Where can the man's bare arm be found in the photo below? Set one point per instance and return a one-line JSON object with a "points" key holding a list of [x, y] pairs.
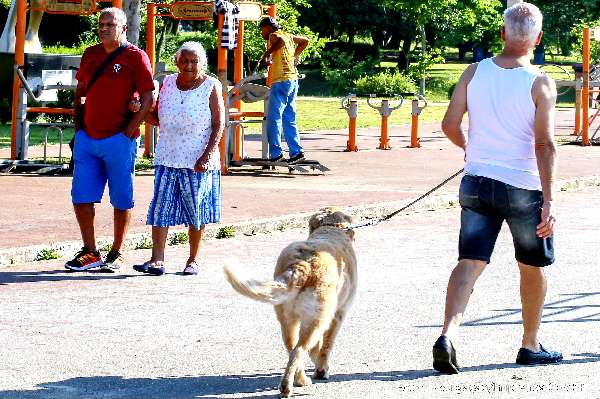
{"points": [[451, 124], [78, 118], [301, 44], [544, 97]]}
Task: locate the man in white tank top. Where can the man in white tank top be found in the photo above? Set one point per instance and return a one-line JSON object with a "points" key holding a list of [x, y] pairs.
{"points": [[509, 175]]}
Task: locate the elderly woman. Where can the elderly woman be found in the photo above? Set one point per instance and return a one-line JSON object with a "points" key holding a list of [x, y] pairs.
{"points": [[187, 179]]}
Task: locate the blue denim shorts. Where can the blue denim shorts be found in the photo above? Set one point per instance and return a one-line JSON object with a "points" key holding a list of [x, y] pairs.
{"points": [[98, 161], [486, 204]]}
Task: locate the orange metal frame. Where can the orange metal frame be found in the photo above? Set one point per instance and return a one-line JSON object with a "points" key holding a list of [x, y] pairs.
{"points": [[237, 112], [585, 92], [20, 62]]}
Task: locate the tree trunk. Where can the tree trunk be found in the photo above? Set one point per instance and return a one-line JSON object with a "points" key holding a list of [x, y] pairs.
{"points": [[132, 10], [403, 61]]}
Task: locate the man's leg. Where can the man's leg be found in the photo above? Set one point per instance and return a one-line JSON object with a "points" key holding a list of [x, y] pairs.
{"points": [[460, 287], [277, 99], [118, 154], [533, 293], [86, 214], [122, 217], [89, 179], [290, 130]]}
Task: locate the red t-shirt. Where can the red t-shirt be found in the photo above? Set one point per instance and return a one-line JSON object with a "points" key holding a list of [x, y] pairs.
{"points": [[106, 104]]}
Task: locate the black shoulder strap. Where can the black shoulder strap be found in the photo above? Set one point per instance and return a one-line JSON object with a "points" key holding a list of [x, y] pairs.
{"points": [[104, 64]]}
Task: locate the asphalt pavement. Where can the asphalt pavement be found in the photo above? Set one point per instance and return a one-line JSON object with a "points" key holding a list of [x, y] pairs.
{"points": [[89, 335]]}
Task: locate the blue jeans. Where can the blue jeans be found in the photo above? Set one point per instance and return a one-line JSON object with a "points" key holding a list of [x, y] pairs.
{"points": [[282, 111], [485, 204]]}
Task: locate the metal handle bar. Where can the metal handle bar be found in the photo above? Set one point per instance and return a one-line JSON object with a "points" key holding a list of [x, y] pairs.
{"points": [[399, 98]]}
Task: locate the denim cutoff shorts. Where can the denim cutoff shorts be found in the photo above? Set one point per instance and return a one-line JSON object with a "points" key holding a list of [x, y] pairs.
{"points": [[486, 203]]}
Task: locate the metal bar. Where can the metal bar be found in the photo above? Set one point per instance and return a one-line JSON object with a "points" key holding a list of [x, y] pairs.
{"points": [[585, 92]]}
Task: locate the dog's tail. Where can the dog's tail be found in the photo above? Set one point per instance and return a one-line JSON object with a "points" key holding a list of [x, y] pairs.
{"points": [[274, 292]]}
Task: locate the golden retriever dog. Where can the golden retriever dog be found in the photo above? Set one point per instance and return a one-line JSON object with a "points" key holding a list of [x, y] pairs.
{"points": [[312, 288]]}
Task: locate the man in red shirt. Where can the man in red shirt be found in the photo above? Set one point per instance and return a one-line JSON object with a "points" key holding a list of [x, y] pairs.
{"points": [[106, 134]]}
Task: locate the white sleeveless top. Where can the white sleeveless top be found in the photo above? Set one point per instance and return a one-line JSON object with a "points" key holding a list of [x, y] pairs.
{"points": [[185, 125], [501, 125]]}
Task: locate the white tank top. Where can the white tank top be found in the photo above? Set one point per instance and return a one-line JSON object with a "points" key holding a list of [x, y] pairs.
{"points": [[501, 125], [185, 125]]}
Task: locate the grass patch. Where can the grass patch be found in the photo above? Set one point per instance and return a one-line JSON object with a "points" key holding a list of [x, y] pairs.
{"points": [[325, 113], [47, 254], [226, 232], [36, 136]]}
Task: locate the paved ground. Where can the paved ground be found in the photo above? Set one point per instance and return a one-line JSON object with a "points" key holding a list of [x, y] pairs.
{"points": [[86, 335], [37, 210]]}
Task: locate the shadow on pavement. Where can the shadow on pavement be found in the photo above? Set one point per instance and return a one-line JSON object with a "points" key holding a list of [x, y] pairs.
{"points": [[7, 278], [551, 310], [211, 386]]}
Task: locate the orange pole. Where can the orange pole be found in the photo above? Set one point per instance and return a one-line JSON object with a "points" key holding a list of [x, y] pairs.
{"points": [[19, 61], [238, 74], [352, 136], [222, 74], [118, 3], [272, 13], [414, 132], [151, 51], [384, 142], [585, 92]]}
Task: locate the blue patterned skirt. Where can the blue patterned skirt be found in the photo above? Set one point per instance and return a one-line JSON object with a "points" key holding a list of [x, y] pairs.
{"points": [[182, 196]]}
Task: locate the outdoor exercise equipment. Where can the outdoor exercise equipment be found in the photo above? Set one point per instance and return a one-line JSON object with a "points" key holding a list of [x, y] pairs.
{"points": [[43, 72], [416, 110], [350, 104], [585, 87], [240, 91], [385, 110]]}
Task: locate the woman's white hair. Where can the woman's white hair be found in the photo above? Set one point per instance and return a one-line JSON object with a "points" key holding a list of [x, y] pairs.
{"points": [[196, 48], [523, 21], [117, 13]]}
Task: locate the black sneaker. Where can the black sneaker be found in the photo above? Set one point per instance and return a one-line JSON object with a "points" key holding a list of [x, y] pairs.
{"points": [[84, 260], [299, 157], [278, 158], [529, 357], [444, 356], [113, 261]]}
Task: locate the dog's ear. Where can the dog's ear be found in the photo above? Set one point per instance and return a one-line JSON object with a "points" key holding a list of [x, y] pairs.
{"points": [[315, 220]]}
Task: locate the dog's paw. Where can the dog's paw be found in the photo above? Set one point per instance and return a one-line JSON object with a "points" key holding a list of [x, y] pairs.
{"points": [[321, 374], [285, 389], [301, 380]]}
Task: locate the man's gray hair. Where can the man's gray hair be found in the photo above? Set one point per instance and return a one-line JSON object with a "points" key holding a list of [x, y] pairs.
{"points": [[117, 13], [196, 48], [523, 21]]}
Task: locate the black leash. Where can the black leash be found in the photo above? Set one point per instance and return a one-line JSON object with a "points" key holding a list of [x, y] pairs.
{"points": [[391, 215]]}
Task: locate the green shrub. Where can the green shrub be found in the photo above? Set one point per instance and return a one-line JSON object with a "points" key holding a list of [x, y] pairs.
{"points": [[385, 83], [344, 71], [47, 254], [226, 232], [178, 238], [144, 243]]}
